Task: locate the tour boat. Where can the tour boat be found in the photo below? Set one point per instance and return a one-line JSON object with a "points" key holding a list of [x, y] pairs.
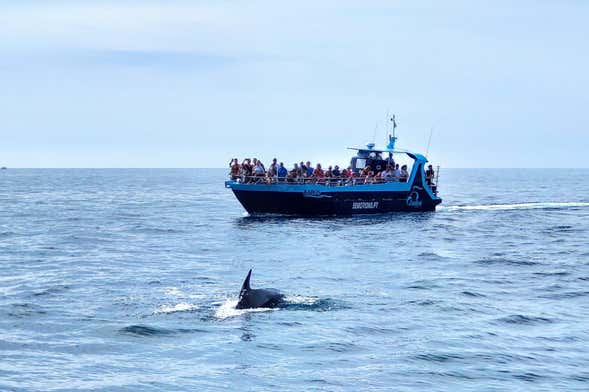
{"points": [[308, 196]]}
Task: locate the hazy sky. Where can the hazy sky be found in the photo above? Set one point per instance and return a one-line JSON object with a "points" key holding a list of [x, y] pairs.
{"points": [[172, 83]]}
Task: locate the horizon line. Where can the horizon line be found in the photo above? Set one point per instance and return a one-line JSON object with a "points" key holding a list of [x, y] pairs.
{"points": [[223, 168]]}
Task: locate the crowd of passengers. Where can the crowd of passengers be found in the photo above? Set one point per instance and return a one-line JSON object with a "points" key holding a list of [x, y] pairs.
{"points": [[254, 171]]}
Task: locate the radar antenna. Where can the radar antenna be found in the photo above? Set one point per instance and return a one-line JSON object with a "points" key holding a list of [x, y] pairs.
{"points": [[394, 125], [393, 137]]}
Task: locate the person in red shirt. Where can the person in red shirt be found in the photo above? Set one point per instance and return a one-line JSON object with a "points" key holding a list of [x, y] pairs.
{"points": [[318, 173]]}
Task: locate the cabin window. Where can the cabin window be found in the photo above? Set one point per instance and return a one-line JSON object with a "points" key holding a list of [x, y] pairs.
{"points": [[360, 163]]}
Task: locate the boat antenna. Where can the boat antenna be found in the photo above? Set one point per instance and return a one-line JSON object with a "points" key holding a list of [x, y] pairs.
{"points": [[429, 140], [393, 138], [431, 131], [385, 127], [394, 125]]}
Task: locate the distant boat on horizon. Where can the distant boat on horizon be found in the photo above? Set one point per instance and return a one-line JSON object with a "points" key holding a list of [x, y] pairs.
{"points": [[3, 168]]}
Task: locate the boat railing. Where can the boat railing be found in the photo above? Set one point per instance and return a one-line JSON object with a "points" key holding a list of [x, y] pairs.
{"points": [[327, 181]]}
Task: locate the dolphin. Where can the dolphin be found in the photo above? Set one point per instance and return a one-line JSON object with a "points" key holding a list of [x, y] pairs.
{"points": [[257, 298]]}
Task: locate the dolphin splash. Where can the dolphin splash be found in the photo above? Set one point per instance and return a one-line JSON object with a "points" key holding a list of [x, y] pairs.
{"points": [[257, 298]]}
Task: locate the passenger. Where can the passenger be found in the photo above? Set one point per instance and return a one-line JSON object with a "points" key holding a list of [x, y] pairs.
{"points": [[300, 170], [345, 176], [259, 172], [303, 169], [318, 174], [310, 170], [255, 162], [350, 172], [377, 177], [273, 169], [397, 172], [367, 170], [429, 175], [328, 172], [329, 175], [272, 172], [295, 173], [336, 172], [259, 169], [369, 178], [281, 172], [404, 173], [351, 176], [391, 161], [235, 169], [368, 175], [387, 174], [246, 170]]}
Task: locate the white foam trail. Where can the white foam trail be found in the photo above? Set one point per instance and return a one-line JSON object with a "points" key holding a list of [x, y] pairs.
{"points": [[300, 300], [516, 206], [228, 310], [181, 307]]}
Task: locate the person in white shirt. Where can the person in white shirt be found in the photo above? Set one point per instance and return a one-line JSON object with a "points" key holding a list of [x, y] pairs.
{"points": [[404, 173], [259, 169], [387, 174], [397, 172]]}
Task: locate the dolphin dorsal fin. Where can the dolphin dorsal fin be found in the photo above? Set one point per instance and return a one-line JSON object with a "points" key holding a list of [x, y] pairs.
{"points": [[246, 283]]}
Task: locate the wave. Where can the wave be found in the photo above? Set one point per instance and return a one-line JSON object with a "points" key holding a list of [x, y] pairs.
{"points": [[147, 330], [505, 261], [433, 357], [181, 307], [473, 294], [516, 206], [144, 330], [299, 302], [21, 310], [569, 294], [523, 319], [52, 290]]}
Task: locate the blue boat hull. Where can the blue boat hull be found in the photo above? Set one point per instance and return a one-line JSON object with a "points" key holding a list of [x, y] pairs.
{"points": [[332, 203]]}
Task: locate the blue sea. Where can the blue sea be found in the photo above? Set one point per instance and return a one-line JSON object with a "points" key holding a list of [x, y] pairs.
{"points": [[126, 280]]}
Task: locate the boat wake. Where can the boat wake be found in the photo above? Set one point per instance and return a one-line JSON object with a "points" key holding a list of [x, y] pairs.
{"points": [[516, 206]]}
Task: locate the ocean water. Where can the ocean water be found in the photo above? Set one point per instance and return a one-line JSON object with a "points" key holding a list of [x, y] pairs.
{"points": [[125, 280]]}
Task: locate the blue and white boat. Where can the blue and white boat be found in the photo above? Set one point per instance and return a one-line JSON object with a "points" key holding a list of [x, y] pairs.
{"points": [[344, 196]]}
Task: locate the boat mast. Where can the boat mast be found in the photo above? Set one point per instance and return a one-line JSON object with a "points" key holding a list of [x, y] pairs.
{"points": [[392, 138]]}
